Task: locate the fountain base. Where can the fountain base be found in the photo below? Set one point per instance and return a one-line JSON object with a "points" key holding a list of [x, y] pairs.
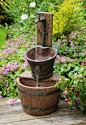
{"points": [[41, 100]]}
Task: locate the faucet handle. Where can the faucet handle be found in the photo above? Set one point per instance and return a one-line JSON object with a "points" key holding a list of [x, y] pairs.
{"points": [[38, 13], [38, 17]]}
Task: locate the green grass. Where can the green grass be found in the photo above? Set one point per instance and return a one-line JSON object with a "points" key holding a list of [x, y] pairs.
{"points": [[3, 33]]}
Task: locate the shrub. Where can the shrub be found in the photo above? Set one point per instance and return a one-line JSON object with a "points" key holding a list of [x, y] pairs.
{"points": [[15, 8], [74, 87], [69, 14], [22, 27], [47, 6], [83, 5], [3, 16]]}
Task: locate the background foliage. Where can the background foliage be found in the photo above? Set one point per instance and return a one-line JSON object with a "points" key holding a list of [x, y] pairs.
{"points": [[66, 16]]}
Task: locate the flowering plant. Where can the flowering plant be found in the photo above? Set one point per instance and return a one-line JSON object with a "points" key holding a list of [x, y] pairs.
{"points": [[24, 17], [74, 87], [73, 45], [32, 4], [13, 63]]}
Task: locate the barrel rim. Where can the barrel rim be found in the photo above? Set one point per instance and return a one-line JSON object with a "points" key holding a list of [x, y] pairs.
{"points": [[40, 60], [35, 88]]}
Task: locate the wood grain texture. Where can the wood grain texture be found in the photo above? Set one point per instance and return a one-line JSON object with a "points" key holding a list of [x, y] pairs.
{"points": [[28, 74], [14, 115], [44, 102], [49, 23]]}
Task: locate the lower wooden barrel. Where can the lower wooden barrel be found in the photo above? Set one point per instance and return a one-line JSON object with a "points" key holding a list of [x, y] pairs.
{"points": [[40, 100]]}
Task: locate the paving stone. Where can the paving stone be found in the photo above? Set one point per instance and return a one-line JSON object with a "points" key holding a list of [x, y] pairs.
{"points": [[14, 115]]}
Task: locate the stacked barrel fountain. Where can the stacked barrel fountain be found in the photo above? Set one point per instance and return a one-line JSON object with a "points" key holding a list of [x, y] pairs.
{"points": [[41, 99]]}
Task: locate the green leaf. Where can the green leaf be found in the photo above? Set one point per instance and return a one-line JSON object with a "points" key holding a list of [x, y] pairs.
{"points": [[57, 85], [62, 87], [0, 92], [1, 62], [80, 85]]}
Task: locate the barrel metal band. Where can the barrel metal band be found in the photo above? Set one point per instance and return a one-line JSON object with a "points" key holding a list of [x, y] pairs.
{"points": [[39, 109], [38, 93]]}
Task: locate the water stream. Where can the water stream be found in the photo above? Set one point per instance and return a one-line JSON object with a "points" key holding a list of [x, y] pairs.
{"points": [[36, 42], [37, 70]]}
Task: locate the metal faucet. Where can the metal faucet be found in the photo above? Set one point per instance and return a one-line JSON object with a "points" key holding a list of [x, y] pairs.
{"points": [[44, 33]]}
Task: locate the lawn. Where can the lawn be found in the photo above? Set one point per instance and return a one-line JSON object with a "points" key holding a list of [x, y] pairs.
{"points": [[3, 33]]}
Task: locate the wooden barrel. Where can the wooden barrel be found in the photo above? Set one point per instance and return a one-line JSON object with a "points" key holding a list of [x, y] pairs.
{"points": [[40, 100]]}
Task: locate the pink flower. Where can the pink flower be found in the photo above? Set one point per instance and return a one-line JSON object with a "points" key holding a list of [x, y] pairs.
{"points": [[1, 76], [7, 82], [11, 104], [83, 50], [63, 60], [79, 26], [75, 53], [67, 47], [66, 99], [58, 59], [4, 58], [84, 39], [56, 62], [71, 60], [78, 100], [6, 85], [5, 53], [57, 56], [0, 96], [63, 44], [8, 91], [83, 55], [79, 47], [58, 40], [65, 40], [4, 66], [7, 69], [64, 93], [16, 67], [76, 59], [70, 41], [65, 37], [72, 45], [75, 34], [65, 65], [5, 73], [14, 100], [14, 80]]}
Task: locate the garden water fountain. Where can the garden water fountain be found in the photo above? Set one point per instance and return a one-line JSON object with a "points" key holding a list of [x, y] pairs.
{"points": [[37, 90]]}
